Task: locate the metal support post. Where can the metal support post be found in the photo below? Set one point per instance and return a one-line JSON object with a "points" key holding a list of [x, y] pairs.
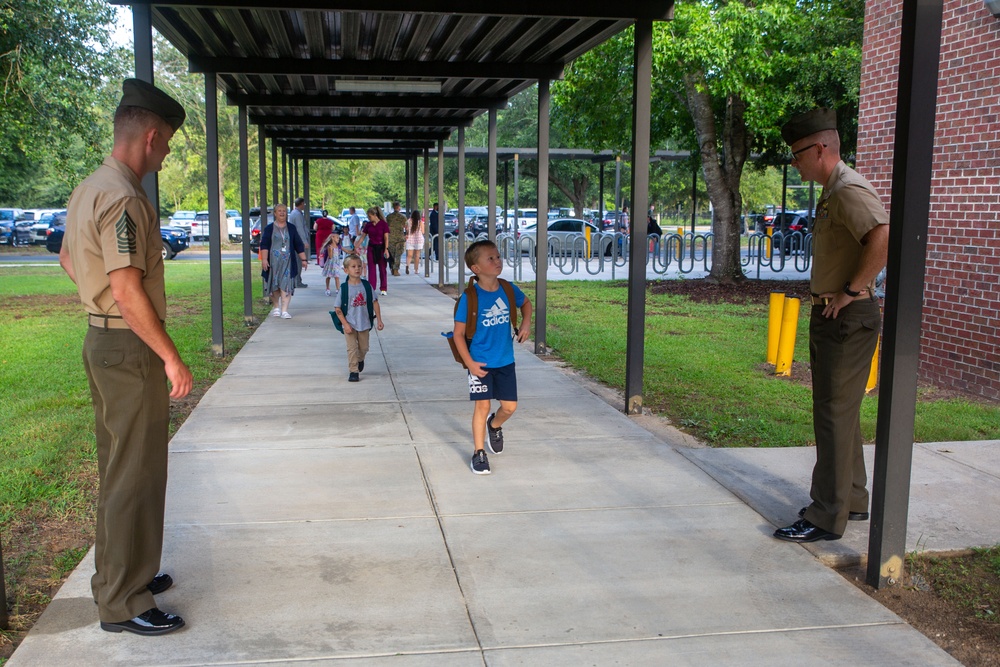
{"points": [[214, 218], [641, 108], [441, 209], [491, 179], [274, 176], [248, 317], [427, 213], [916, 106], [142, 35], [460, 229], [541, 235]]}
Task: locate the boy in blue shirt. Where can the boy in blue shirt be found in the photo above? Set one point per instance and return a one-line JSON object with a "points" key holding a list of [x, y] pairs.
{"points": [[489, 356]]}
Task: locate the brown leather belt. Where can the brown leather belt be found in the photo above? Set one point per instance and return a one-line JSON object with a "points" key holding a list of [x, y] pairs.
{"points": [[106, 321]]}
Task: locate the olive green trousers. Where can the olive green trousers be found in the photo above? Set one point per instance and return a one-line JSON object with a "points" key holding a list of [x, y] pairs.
{"points": [[128, 386], [840, 353]]}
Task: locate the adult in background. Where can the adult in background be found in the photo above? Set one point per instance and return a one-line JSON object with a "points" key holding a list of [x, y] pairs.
{"points": [[432, 228], [376, 233], [414, 241], [353, 226], [282, 252], [397, 237], [850, 245], [298, 218], [112, 251], [323, 228]]}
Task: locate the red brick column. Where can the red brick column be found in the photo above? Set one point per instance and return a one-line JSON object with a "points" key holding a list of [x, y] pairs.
{"points": [[960, 347]]}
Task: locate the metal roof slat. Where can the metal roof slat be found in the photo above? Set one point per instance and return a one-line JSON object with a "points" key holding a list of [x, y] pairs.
{"points": [[420, 38], [350, 29], [451, 47], [206, 27], [314, 34], [237, 24], [387, 34], [274, 25]]}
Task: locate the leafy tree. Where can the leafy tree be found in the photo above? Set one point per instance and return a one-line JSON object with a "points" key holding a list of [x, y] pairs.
{"points": [[725, 76], [61, 76]]}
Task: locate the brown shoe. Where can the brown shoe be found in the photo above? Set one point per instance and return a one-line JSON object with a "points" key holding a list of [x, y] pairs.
{"points": [[396, 272]]}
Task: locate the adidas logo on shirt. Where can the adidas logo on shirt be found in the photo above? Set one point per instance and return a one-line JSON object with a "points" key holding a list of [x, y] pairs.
{"points": [[497, 314]]}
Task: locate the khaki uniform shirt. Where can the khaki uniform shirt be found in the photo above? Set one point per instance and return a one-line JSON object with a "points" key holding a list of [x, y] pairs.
{"points": [[397, 228], [848, 209], [110, 224]]}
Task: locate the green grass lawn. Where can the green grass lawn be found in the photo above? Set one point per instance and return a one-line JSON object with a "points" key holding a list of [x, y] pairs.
{"points": [[48, 473], [704, 369]]}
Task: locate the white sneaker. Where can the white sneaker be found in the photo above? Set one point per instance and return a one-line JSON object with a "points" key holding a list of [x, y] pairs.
{"points": [[328, 292], [286, 316], [276, 312]]}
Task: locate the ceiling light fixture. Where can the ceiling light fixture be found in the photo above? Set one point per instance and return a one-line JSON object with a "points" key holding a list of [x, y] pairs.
{"points": [[347, 86]]}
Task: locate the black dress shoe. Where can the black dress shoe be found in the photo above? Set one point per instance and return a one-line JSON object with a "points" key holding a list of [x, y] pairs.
{"points": [[803, 531], [361, 366], [149, 623], [851, 516], [160, 583]]}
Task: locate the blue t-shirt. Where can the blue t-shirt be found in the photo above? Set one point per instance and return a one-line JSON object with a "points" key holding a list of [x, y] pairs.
{"points": [[493, 344]]}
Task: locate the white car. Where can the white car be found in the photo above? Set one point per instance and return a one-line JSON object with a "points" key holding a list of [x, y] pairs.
{"points": [[183, 219], [42, 218], [234, 224]]}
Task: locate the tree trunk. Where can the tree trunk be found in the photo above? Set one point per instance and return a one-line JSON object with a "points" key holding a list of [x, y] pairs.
{"points": [[722, 173]]}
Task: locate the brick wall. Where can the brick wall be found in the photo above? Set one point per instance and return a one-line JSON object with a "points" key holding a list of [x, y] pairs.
{"points": [[959, 342]]}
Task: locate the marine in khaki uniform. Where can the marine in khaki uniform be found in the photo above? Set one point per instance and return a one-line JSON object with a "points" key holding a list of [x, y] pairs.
{"points": [[111, 250], [850, 244], [397, 236]]}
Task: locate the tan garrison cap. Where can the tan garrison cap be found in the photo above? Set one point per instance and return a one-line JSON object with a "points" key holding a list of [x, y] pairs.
{"points": [[137, 93], [810, 122]]}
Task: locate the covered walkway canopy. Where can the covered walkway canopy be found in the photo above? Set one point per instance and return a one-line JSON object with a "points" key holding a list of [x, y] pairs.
{"points": [[387, 77]]}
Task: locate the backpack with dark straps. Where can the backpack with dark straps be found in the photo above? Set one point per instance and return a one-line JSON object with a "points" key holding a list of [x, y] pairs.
{"points": [[472, 314], [344, 304]]}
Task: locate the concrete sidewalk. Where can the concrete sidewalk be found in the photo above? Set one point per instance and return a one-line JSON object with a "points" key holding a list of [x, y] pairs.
{"points": [[314, 521]]}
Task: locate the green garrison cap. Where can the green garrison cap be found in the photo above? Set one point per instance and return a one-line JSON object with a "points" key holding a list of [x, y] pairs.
{"points": [[137, 93], [808, 123]]}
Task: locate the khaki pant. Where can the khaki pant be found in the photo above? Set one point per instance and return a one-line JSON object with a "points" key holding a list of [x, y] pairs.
{"points": [[840, 352], [357, 347], [131, 413], [397, 249]]}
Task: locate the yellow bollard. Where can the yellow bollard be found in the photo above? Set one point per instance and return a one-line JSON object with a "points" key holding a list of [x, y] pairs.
{"points": [[786, 342], [767, 243], [873, 373], [680, 244], [586, 233], [774, 326]]}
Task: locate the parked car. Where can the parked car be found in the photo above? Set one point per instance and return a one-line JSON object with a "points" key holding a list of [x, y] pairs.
{"points": [[173, 239], [562, 235], [14, 229], [234, 225], [200, 226], [450, 224], [183, 219], [255, 227], [788, 224], [477, 224], [43, 219]]}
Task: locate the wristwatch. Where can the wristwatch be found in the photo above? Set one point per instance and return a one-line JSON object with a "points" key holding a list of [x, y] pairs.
{"points": [[849, 292]]}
